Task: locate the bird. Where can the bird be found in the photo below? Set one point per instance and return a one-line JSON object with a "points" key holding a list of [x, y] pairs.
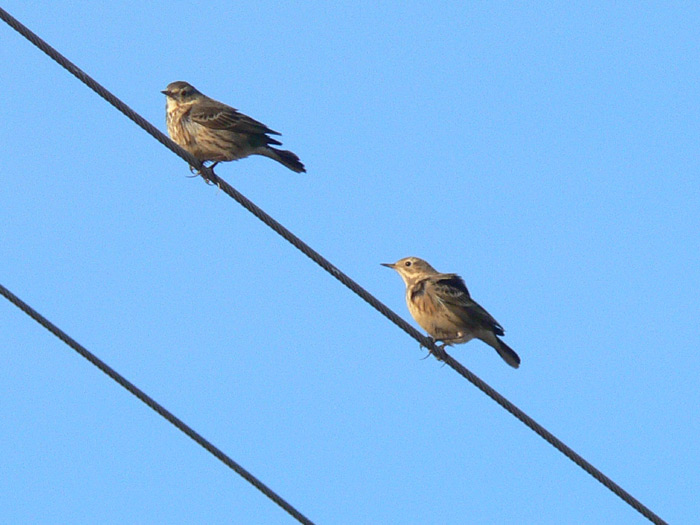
{"points": [[213, 131], [441, 304]]}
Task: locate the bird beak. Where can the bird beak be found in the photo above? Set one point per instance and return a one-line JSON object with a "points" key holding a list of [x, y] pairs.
{"points": [[166, 92], [389, 265]]}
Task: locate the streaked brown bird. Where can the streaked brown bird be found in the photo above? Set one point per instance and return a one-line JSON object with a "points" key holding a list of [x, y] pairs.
{"points": [[441, 304], [212, 131]]}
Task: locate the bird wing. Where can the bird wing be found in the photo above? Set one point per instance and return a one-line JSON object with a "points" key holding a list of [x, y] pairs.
{"points": [[215, 115], [452, 291]]}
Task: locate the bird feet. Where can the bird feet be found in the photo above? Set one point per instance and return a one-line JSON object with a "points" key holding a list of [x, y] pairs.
{"points": [[201, 173], [440, 350]]}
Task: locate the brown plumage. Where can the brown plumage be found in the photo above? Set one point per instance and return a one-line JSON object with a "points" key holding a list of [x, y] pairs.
{"points": [[212, 131], [441, 304]]}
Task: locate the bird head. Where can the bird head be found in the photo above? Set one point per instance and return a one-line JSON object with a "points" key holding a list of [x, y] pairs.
{"points": [[181, 91], [411, 268]]}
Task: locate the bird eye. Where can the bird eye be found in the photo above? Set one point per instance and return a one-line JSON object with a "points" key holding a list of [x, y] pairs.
{"points": [[407, 263]]}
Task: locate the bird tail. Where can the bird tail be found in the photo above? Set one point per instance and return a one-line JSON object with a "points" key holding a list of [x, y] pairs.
{"points": [[507, 353], [284, 157]]}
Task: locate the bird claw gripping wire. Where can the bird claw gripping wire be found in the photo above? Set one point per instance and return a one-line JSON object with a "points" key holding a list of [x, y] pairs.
{"points": [[201, 173], [437, 355]]}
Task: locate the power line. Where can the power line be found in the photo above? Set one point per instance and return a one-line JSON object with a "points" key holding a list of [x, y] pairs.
{"points": [[438, 351], [152, 403]]}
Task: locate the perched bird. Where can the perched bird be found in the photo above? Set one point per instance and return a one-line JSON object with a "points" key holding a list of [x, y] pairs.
{"points": [[213, 131], [441, 304]]}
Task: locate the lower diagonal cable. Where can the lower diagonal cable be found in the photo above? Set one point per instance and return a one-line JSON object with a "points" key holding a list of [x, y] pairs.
{"points": [[153, 404]]}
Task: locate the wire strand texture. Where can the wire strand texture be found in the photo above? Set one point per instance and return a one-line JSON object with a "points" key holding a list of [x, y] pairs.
{"points": [[209, 175]]}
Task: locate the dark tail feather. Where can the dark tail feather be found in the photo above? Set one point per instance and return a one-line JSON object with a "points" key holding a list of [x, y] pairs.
{"points": [[287, 158], [508, 354]]}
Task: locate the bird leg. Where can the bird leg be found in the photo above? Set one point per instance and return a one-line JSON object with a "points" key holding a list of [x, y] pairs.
{"points": [[430, 350], [200, 173]]}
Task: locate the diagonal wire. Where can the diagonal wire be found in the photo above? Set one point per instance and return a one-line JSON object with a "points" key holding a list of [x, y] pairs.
{"points": [[152, 403], [209, 175]]}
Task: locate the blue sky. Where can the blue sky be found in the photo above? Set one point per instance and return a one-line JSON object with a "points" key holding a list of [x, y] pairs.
{"points": [[548, 154]]}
